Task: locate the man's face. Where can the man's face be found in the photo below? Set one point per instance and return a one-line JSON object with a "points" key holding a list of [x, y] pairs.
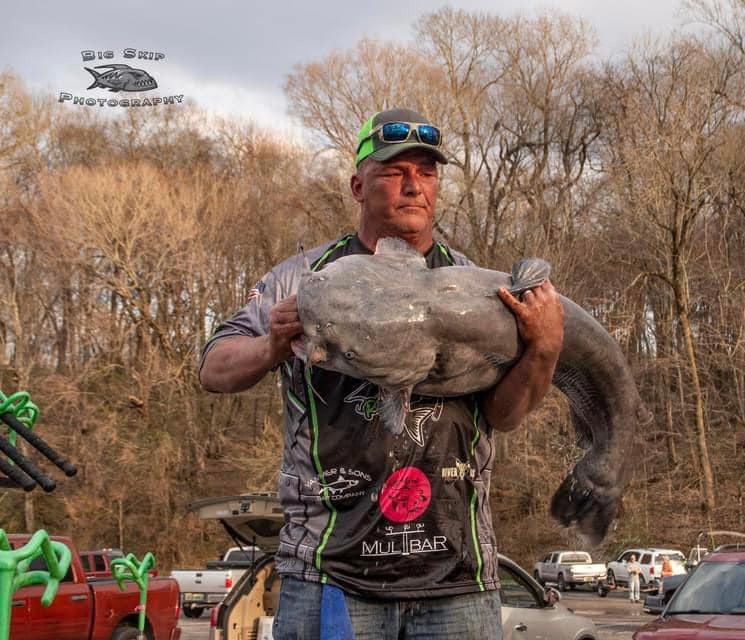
{"points": [[398, 196]]}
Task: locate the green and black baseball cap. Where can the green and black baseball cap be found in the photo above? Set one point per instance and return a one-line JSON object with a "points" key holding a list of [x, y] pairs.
{"points": [[388, 133]]}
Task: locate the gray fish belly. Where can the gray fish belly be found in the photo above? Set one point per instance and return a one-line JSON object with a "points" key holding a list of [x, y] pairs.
{"points": [[475, 334]]}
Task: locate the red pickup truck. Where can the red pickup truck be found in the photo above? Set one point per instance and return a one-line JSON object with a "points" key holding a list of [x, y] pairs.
{"points": [[92, 610]]}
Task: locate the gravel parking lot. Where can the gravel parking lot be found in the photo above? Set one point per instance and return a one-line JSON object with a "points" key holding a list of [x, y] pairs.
{"points": [[615, 617]]}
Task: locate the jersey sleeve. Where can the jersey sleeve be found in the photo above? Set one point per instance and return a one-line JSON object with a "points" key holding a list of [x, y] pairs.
{"points": [[252, 320]]}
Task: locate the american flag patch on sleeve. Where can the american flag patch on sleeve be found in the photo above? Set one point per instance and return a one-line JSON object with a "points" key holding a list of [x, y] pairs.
{"points": [[256, 292]]}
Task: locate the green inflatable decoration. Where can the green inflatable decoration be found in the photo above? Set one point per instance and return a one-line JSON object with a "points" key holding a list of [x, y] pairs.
{"points": [[19, 403], [130, 568], [17, 471], [14, 573]]}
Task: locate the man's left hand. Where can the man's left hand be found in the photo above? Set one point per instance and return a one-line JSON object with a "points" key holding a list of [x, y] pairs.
{"points": [[540, 319]]}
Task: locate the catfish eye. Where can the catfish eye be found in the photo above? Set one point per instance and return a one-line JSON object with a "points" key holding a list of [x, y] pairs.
{"points": [[350, 355]]}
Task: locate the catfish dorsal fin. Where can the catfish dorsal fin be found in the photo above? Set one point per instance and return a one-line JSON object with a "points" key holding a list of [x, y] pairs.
{"points": [[529, 273], [398, 248]]}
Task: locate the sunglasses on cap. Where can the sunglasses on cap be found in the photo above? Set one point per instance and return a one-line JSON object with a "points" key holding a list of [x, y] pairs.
{"points": [[396, 132]]}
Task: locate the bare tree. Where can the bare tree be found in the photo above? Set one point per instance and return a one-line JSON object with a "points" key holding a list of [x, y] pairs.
{"points": [[670, 121]]}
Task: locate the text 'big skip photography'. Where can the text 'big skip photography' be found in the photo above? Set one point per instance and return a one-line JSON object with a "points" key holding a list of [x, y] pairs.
{"points": [[116, 77]]}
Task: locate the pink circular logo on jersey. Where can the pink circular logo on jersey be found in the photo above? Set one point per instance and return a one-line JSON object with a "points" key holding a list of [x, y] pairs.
{"points": [[405, 495]]}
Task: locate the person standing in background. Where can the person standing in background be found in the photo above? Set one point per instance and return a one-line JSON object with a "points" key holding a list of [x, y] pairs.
{"points": [[634, 572], [667, 570]]}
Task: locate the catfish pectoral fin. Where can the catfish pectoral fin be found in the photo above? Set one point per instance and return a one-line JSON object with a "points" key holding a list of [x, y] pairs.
{"points": [[590, 507], [394, 406], [498, 361]]}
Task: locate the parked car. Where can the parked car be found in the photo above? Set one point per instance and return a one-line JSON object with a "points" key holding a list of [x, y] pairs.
{"points": [[650, 560], [204, 588], [698, 552], [709, 604], [569, 569], [91, 610], [528, 611], [694, 557], [656, 602]]}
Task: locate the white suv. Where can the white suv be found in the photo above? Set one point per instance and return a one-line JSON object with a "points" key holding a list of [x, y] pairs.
{"points": [[650, 561]]}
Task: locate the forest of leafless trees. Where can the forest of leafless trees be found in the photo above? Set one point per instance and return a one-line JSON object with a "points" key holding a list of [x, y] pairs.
{"points": [[125, 240]]}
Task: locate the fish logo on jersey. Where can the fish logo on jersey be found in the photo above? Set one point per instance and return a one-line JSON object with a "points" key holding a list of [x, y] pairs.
{"points": [[365, 404], [420, 413]]}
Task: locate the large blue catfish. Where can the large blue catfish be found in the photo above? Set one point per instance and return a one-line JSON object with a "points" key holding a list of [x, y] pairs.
{"points": [[389, 319]]}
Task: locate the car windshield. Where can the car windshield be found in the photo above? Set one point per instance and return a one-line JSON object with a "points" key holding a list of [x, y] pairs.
{"points": [[715, 587], [247, 554]]}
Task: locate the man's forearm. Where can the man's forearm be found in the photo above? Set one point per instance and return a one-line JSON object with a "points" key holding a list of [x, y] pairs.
{"points": [[237, 363], [519, 392]]}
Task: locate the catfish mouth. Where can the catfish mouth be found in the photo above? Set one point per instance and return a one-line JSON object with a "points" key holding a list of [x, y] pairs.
{"points": [[312, 353], [308, 350], [384, 378]]}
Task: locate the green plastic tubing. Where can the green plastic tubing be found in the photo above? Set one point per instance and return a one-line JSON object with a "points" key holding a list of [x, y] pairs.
{"points": [[19, 404], [14, 573], [130, 568]]}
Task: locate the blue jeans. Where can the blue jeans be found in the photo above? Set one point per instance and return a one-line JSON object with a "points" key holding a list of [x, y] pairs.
{"points": [[472, 616]]}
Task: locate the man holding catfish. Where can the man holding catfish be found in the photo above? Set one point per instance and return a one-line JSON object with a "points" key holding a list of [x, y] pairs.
{"points": [[388, 533]]}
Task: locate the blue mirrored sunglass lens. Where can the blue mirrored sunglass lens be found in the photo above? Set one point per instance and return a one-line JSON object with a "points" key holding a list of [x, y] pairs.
{"points": [[395, 131], [429, 134]]}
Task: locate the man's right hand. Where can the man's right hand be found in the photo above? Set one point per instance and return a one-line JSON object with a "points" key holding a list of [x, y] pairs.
{"points": [[284, 326], [236, 363]]}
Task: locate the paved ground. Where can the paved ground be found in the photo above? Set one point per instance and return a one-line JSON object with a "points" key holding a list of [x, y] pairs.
{"points": [[198, 629], [615, 617]]}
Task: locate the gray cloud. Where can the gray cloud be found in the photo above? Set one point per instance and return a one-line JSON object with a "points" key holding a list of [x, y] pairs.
{"points": [[248, 48]]}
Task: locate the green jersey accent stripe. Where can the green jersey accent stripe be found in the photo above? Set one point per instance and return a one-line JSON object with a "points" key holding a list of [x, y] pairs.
{"points": [[476, 546], [477, 433], [313, 417], [319, 470], [446, 252], [319, 263], [296, 401], [474, 500]]}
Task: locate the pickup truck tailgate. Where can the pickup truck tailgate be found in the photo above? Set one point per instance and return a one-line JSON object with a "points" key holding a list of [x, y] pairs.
{"points": [[202, 586]]}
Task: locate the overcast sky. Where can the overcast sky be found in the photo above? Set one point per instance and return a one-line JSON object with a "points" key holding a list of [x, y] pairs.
{"points": [[234, 57]]}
